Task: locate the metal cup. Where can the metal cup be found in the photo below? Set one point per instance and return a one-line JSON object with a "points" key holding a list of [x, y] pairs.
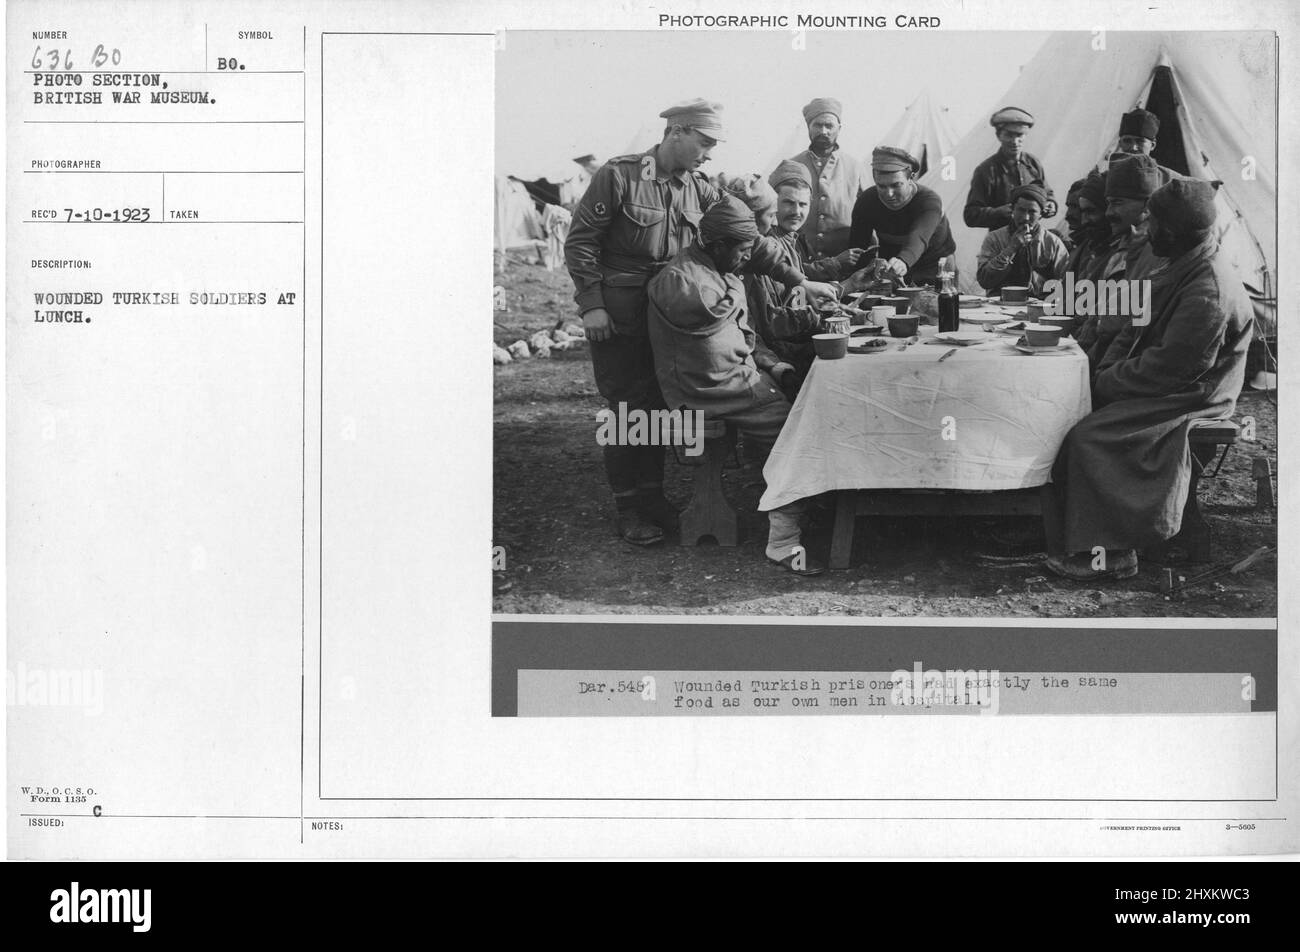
{"points": [[836, 325]]}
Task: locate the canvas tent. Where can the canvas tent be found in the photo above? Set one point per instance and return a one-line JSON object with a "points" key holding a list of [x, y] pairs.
{"points": [[517, 220], [1215, 96], [924, 131], [647, 134]]}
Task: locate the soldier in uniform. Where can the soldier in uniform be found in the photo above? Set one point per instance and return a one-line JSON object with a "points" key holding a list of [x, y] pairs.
{"points": [[835, 177], [988, 204], [639, 212]]}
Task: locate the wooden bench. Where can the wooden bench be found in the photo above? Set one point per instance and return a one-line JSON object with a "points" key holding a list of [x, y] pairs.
{"points": [[1209, 441]]}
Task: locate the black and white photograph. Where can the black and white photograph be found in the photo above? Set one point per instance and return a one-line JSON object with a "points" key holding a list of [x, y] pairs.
{"points": [[880, 455], [869, 322]]}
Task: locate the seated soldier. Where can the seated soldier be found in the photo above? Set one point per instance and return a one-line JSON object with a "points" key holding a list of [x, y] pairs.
{"points": [[1093, 233], [779, 314], [794, 203], [1024, 253], [1070, 227], [1130, 181], [1123, 472], [703, 349]]}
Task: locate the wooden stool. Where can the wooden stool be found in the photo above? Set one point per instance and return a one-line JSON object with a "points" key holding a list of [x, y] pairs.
{"points": [[1209, 441], [709, 513]]}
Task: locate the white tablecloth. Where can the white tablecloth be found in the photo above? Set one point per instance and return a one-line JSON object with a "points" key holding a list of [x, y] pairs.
{"points": [[878, 421]]}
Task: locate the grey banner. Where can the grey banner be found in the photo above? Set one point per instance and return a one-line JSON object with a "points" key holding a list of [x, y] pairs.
{"points": [[607, 693]]}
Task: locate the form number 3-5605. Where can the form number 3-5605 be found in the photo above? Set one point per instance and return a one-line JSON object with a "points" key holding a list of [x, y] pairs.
{"points": [[56, 59]]}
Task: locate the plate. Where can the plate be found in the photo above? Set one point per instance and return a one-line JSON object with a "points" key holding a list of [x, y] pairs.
{"points": [[961, 338], [1016, 328], [1024, 348], [870, 345], [985, 319], [866, 330]]}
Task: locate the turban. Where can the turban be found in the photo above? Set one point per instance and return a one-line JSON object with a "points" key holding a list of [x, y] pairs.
{"points": [[1032, 192], [1134, 176], [789, 172], [886, 158], [1094, 188], [1072, 196], [1139, 122], [821, 105], [728, 220], [753, 191], [696, 114], [1012, 116], [1185, 205]]}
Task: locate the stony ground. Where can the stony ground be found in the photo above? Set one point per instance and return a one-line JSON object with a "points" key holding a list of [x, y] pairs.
{"points": [[552, 516]]}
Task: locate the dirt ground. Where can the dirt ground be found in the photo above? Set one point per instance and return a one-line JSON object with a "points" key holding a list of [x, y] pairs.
{"points": [[552, 517]]}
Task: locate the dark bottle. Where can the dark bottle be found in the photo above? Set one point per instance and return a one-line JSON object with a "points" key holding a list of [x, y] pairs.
{"points": [[949, 313]]}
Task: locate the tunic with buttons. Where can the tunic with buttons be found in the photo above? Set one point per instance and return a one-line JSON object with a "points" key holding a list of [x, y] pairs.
{"points": [[837, 181]]}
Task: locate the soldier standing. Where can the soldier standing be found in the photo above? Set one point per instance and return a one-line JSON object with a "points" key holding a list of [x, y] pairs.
{"points": [[988, 204]]}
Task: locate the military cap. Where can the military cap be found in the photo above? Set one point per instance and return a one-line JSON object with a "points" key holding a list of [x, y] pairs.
{"points": [[790, 172], [1013, 117], [585, 158], [1035, 193], [698, 114], [888, 158], [1094, 188], [753, 191], [1134, 176], [1185, 204], [1139, 122]]}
